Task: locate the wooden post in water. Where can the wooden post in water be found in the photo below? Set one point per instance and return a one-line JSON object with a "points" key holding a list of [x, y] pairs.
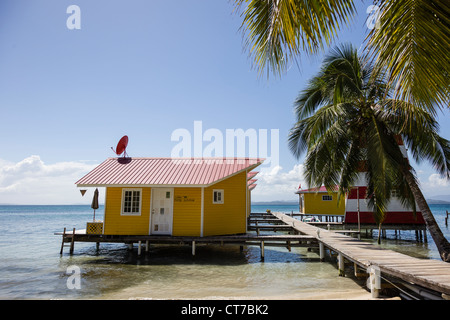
{"points": [[72, 244], [446, 218], [321, 251], [375, 281], [193, 247], [262, 250], [62, 244], [341, 265], [139, 248]]}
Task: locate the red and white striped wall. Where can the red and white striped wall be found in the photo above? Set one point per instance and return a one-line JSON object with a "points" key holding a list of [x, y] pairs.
{"points": [[356, 202]]}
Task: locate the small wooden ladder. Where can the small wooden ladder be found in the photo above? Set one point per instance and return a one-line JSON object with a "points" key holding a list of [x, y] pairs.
{"points": [[72, 242]]}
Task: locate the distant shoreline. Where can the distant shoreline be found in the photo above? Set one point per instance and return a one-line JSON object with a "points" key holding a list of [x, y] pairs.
{"points": [[295, 203], [431, 201], [275, 203], [257, 203]]}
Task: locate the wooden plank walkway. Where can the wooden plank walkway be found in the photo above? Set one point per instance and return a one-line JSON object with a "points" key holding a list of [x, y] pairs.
{"points": [[428, 273]]}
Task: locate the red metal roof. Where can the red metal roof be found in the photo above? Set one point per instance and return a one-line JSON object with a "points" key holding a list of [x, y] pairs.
{"points": [[252, 186], [165, 171], [312, 190], [252, 174]]}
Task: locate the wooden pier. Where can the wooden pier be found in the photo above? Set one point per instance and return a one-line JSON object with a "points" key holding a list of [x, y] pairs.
{"points": [[418, 274], [144, 241]]}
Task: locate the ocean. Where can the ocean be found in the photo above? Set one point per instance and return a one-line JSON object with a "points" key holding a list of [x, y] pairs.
{"points": [[31, 266]]}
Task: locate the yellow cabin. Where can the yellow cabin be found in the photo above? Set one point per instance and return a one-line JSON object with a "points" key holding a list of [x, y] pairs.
{"points": [[317, 201], [178, 197]]}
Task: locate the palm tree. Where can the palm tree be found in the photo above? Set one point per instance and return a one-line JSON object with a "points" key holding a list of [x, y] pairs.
{"points": [[347, 118], [411, 40]]}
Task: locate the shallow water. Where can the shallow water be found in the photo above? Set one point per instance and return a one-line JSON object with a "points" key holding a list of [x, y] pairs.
{"points": [[32, 268], [225, 272]]}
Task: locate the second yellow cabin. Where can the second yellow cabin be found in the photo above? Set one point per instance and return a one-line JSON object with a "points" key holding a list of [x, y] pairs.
{"points": [[318, 201]]}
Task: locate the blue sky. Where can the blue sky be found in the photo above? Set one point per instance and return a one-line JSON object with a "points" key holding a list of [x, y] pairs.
{"points": [[144, 69]]}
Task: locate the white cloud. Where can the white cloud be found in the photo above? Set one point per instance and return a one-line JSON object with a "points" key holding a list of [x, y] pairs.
{"points": [[437, 180], [433, 184], [277, 184], [274, 184], [31, 181]]}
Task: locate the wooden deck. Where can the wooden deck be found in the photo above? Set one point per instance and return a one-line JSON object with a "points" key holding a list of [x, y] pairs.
{"points": [[279, 240], [427, 273]]}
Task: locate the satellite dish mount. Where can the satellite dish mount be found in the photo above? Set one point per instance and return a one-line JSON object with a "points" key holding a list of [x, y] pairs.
{"points": [[121, 147]]}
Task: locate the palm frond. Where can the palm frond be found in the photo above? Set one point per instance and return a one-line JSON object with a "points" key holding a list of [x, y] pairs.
{"points": [[420, 132], [277, 31], [412, 43]]}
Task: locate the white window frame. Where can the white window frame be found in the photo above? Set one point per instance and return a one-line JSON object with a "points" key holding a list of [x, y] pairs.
{"points": [[123, 213], [327, 197], [221, 192]]}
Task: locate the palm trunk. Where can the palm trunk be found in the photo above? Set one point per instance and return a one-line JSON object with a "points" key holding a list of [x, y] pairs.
{"points": [[441, 242], [379, 234]]}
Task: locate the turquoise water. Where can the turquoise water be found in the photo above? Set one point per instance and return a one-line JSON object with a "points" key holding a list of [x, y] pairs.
{"points": [[32, 268]]}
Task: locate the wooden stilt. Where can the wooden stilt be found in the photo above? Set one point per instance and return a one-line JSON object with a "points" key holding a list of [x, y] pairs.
{"points": [[62, 243], [139, 248], [193, 248], [97, 246], [72, 244], [375, 282], [321, 251], [147, 245], [262, 250], [341, 265], [425, 239]]}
